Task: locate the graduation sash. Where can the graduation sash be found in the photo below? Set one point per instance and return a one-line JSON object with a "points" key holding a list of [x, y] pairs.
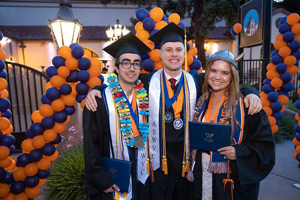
{"points": [[155, 91]]}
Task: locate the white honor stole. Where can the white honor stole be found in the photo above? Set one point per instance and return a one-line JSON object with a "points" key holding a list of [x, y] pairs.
{"points": [[117, 149], [154, 106]]}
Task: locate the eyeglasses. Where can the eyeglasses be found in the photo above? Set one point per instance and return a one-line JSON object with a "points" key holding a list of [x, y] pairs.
{"points": [[126, 64]]}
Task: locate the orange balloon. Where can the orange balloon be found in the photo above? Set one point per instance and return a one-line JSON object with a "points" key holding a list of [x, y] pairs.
{"points": [[272, 74], [296, 142], [263, 95], [36, 117], [268, 111], [143, 71], [58, 105], [142, 34], [38, 141], [69, 99], [292, 70], [265, 102], [298, 149], [65, 52], [161, 24], [274, 129], [284, 52], [297, 117], [94, 81], [12, 166], [4, 123], [283, 109], [48, 85], [297, 37], [279, 43], [71, 63], [21, 196], [82, 104], [9, 130], [63, 72], [4, 189], [59, 127], [53, 156], [4, 152], [289, 60], [292, 19], [57, 81], [4, 94], [3, 84], [293, 79], [10, 196], [44, 163], [19, 174], [94, 71], [32, 192], [49, 135], [200, 70], [190, 60], [2, 55], [87, 54], [73, 86], [298, 91], [155, 55], [283, 99], [193, 51], [42, 182], [31, 169], [279, 37], [296, 29], [295, 153], [276, 83], [149, 44], [157, 14], [138, 26], [175, 18], [271, 66], [158, 65], [46, 110], [5, 162], [237, 28], [95, 62], [27, 145]]}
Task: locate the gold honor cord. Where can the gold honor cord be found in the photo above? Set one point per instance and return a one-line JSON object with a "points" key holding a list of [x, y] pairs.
{"points": [[164, 156], [185, 52]]}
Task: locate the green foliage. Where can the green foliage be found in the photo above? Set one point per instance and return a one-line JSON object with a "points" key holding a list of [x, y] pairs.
{"points": [[66, 180], [286, 129], [291, 106]]}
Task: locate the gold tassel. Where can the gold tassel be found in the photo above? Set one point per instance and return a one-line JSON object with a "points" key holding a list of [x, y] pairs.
{"points": [[187, 169], [183, 169], [125, 194], [148, 166], [164, 165], [117, 195]]}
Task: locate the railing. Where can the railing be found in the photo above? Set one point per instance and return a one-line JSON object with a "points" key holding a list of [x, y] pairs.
{"points": [[26, 87]]}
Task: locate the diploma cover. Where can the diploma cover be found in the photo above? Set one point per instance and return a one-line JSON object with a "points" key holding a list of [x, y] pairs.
{"points": [[209, 136], [119, 171]]}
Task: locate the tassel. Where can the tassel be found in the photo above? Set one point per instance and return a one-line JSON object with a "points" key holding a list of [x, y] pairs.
{"points": [[117, 195], [183, 169], [165, 165], [225, 181], [125, 194], [148, 166], [187, 169], [152, 175]]}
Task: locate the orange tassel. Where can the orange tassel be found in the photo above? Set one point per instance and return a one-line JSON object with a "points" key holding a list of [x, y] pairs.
{"points": [[225, 181], [183, 169], [117, 195], [148, 166], [187, 169], [125, 194]]}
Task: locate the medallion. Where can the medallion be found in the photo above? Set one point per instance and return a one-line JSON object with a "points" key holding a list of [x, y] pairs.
{"points": [[168, 117], [178, 123]]}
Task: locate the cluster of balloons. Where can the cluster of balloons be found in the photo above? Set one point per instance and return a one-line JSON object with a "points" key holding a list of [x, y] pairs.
{"points": [[236, 28], [73, 73], [150, 23]]}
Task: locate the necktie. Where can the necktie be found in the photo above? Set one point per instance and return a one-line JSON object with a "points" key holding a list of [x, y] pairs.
{"points": [[172, 81]]}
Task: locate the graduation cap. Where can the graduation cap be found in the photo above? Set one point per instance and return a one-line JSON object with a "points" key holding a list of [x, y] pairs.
{"points": [[127, 44], [170, 33]]}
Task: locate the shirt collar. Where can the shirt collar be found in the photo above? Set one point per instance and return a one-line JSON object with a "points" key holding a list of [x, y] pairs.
{"points": [[177, 77]]}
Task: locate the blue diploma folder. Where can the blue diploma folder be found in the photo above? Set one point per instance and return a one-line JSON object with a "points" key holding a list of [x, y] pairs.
{"points": [[209, 136], [119, 171]]}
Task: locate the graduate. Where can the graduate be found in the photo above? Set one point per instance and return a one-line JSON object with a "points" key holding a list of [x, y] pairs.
{"points": [[119, 127], [234, 172]]}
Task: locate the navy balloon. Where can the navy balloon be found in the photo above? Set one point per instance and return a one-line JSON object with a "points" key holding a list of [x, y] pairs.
{"points": [[165, 18], [47, 122], [157, 46], [48, 149], [188, 46], [57, 140], [195, 65], [82, 88], [272, 96], [35, 155], [17, 187], [283, 20], [31, 181], [84, 63], [287, 87], [4, 104], [80, 97], [296, 54], [277, 115], [12, 149], [43, 173], [148, 65], [1, 136], [6, 114], [83, 76], [288, 36], [181, 25], [2, 65], [8, 178], [70, 110], [153, 32], [298, 157], [77, 52], [276, 106], [294, 45], [52, 93], [36, 129], [281, 67], [3, 74], [283, 28], [29, 134], [286, 77], [148, 24], [2, 173], [51, 71], [65, 89], [141, 14], [276, 59], [8, 140], [73, 45], [266, 81], [45, 100], [58, 61], [144, 57], [23, 160], [274, 52], [267, 88], [72, 77], [297, 104], [297, 129], [194, 72], [298, 136], [60, 117], [1, 35]]}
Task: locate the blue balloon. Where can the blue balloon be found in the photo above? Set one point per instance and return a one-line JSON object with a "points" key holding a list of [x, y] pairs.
{"points": [[36, 129], [280, 92], [31, 181], [286, 77], [84, 63], [58, 61], [297, 129], [288, 37], [144, 57], [3, 74], [80, 97], [232, 31], [17, 187], [52, 93], [72, 78], [43, 173], [70, 110], [287, 87], [156, 46], [45, 100], [298, 136], [47, 122], [297, 104], [73, 45], [196, 64], [278, 116], [294, 45], [77, 52], [188, 46], [29, 134], [153, 32], [165, 18], [148, 24], [276, 106], [274, 52], [148, 65], [60, 117], [2, 173], [283, 28], [267, 88], [51, 71], [83, 76], [194, 72], [296, 54], [2, 65], [272, 96], [101, 77], [4, 104], [7, 140], [281, 67], [7, 114], [82, 88], [266, 81], [283, 20], [1, 35], [1, 136], [12, 149], [23, 160], [65, 89], [57, 140], [141, 14], [35, 155], [8, 178], [298, 157], [276, 59], [48, 149], [181, 25]]}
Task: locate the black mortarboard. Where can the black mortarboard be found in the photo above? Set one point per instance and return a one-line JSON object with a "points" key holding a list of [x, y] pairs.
{"points": [[127, 44], [170, 33]]}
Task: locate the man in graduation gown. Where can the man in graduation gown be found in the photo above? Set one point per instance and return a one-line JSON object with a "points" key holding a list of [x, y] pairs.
{"points": [[118, 128], [171, 107]]}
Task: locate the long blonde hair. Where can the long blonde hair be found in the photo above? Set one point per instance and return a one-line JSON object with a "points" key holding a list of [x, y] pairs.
{"points": [[232, 89]]}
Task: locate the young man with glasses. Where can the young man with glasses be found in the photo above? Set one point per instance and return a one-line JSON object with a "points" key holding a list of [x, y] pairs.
{"points": [[119, 129]]}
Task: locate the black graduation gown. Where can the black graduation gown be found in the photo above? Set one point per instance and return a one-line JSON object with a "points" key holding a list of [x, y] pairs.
{"points": [[255, 158], [97, 144]]}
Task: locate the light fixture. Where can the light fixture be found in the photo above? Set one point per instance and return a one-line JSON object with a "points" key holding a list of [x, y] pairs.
{"points": [[116, 31], [65, 29], [206, 46], [279, 1]]}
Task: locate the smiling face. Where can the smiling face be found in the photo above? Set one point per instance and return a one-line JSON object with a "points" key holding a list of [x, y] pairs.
{"points": [[219, 76], [130, 75], [172, 55]]}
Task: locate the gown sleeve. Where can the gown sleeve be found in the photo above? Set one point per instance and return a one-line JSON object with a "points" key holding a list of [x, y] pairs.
{"points": [[255, 156], [96, 145]]}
